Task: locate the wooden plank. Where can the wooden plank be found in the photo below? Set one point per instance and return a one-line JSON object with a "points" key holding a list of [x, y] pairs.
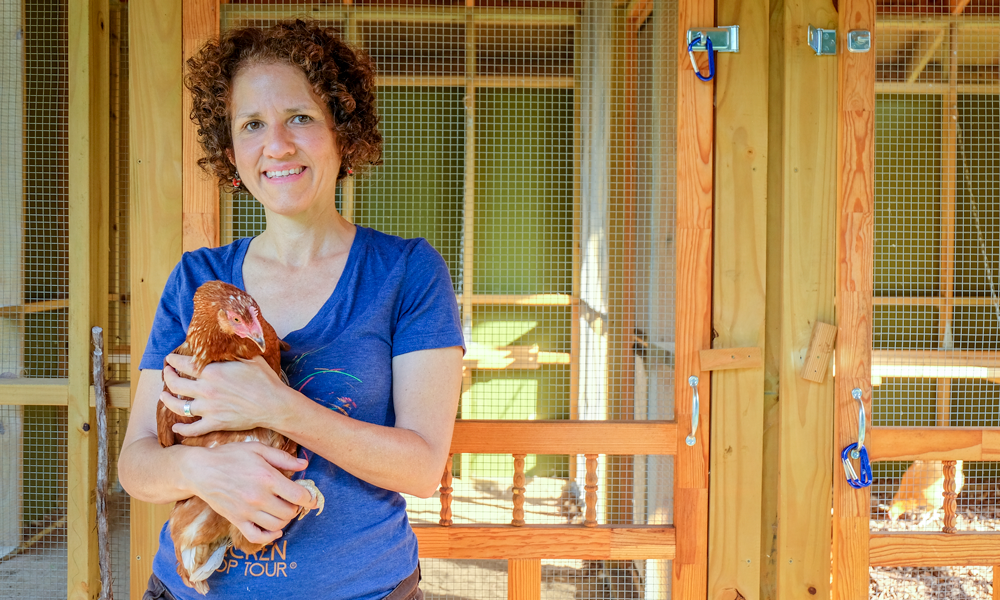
{"points": [[118, 396], [524, 579], [958, 6], [16, 310], [469, 196], [518, 81], [949, 184], [724, 359], [986, 359], [200, 22], [739, 301], [606, 542], [855, 257], [926, 58], [819, 353], [549, 16], [33, 392], [524, 299], [931, 301], [934, 549], [936, 88], [934, 443], [564, 437], [806, 90], [156, 186], [694, 191], [88, 139]]}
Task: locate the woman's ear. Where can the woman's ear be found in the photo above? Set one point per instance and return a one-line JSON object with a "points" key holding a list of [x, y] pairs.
{"points": [[230, 156]]}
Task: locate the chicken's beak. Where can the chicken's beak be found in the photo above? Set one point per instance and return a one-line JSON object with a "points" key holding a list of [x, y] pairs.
{"points": [[259, 340]]}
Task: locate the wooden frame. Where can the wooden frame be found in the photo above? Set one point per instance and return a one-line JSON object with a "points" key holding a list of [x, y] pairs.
{"points": [[855, 250], [89, 131]]}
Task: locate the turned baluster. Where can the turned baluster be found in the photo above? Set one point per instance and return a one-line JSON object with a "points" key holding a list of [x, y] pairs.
{"points": [[950, 502], [590, 519], [518, 520], [446, 491]]}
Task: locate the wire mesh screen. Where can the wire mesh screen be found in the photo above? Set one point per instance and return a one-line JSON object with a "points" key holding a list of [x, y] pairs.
{"points": [[119, 298], [936, 327], [516, 146], [34, 205], [33, 502], [968, 583]]}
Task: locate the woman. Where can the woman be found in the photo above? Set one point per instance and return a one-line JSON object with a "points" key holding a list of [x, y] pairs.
{"points": [[371, 320]]}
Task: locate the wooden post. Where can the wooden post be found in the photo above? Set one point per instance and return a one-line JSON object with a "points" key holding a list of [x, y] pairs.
{"points": [[518, 489], [446, 491], [200, 191], [590, 489], [156, 189], [801, 286], [89, 130], [524, 579], [950, 496], [855, 250], [738, 303], [695, 160]]}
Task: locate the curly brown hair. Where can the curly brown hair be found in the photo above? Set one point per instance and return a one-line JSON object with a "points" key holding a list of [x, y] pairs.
{"points": [[341, 76]]}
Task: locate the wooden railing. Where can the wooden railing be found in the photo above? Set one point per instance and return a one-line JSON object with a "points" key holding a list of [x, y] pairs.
{"points": [[523, 544]]}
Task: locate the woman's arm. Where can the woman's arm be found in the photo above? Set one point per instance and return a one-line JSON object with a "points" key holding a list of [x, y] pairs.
{"points": [[407, 458], [239, 481]]}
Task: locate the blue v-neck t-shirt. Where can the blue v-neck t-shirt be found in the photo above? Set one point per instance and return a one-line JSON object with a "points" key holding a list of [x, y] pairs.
{"points": [[395, 296]]}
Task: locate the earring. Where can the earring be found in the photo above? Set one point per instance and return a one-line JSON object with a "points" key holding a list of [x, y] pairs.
{"points": [[237, 181], [350, 171]]}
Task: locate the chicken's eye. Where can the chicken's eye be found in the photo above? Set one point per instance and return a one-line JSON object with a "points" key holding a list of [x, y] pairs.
{"points": [[236, 319]]}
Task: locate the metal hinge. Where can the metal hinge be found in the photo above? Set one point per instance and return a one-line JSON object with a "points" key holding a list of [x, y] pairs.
{"points": [[823, 41]]}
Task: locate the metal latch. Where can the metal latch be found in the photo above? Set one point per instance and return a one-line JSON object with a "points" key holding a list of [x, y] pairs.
{"points": [[823, 41], [724, 39], [859, 41]]}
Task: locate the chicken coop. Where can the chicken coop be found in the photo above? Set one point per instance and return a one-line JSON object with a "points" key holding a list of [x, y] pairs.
{"points": [[732, 310]]}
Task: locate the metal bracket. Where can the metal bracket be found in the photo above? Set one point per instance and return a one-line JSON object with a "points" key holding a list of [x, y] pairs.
{"points": [[823, 41], [859, 41], [724, 39]]}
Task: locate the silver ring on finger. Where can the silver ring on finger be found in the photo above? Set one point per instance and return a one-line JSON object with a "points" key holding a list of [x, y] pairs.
{"points": [[187, 409]]}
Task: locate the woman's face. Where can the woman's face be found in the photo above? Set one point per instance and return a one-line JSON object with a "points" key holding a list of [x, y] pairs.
{"points": [[284, 146]]}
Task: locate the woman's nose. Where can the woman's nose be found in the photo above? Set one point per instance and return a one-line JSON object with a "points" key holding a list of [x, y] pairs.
{"points": [[279, 141]]}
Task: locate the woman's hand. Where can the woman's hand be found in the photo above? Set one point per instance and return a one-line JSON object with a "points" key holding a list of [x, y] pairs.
{"points": [[242, 482], [228, 396]]}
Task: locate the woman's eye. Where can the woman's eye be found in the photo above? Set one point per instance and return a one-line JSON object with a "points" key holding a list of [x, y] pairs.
{"points": [[301, 119], [253, 125]]}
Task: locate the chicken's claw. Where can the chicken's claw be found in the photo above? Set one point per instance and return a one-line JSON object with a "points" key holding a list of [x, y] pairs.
{"points": [[317, 496]]}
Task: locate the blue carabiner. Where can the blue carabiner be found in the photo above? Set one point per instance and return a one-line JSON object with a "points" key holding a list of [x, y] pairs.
{"points": [[711, 58], [861, 453]]}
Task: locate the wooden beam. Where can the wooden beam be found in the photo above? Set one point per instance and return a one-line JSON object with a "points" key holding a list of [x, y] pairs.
{"points": [[930, 301], [233, 13], [606, 542], [934, 549], [156, 189], [519, 81], [524, 299], [889, 87], [564, 437], [926, 58], [958, 6], [803, 217], [88, 146], [739, 305], [694, 234], [16, 310], [33, 392], [988, 359], [524, 579], [200, 22], [934, 443], [855, 257]]}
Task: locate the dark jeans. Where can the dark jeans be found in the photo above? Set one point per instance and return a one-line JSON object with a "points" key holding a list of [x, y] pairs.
{"points": [[408, 589]]}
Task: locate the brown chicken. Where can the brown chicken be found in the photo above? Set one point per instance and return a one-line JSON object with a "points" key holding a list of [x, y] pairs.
{"points": [[226, 325], [921, 489]]}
